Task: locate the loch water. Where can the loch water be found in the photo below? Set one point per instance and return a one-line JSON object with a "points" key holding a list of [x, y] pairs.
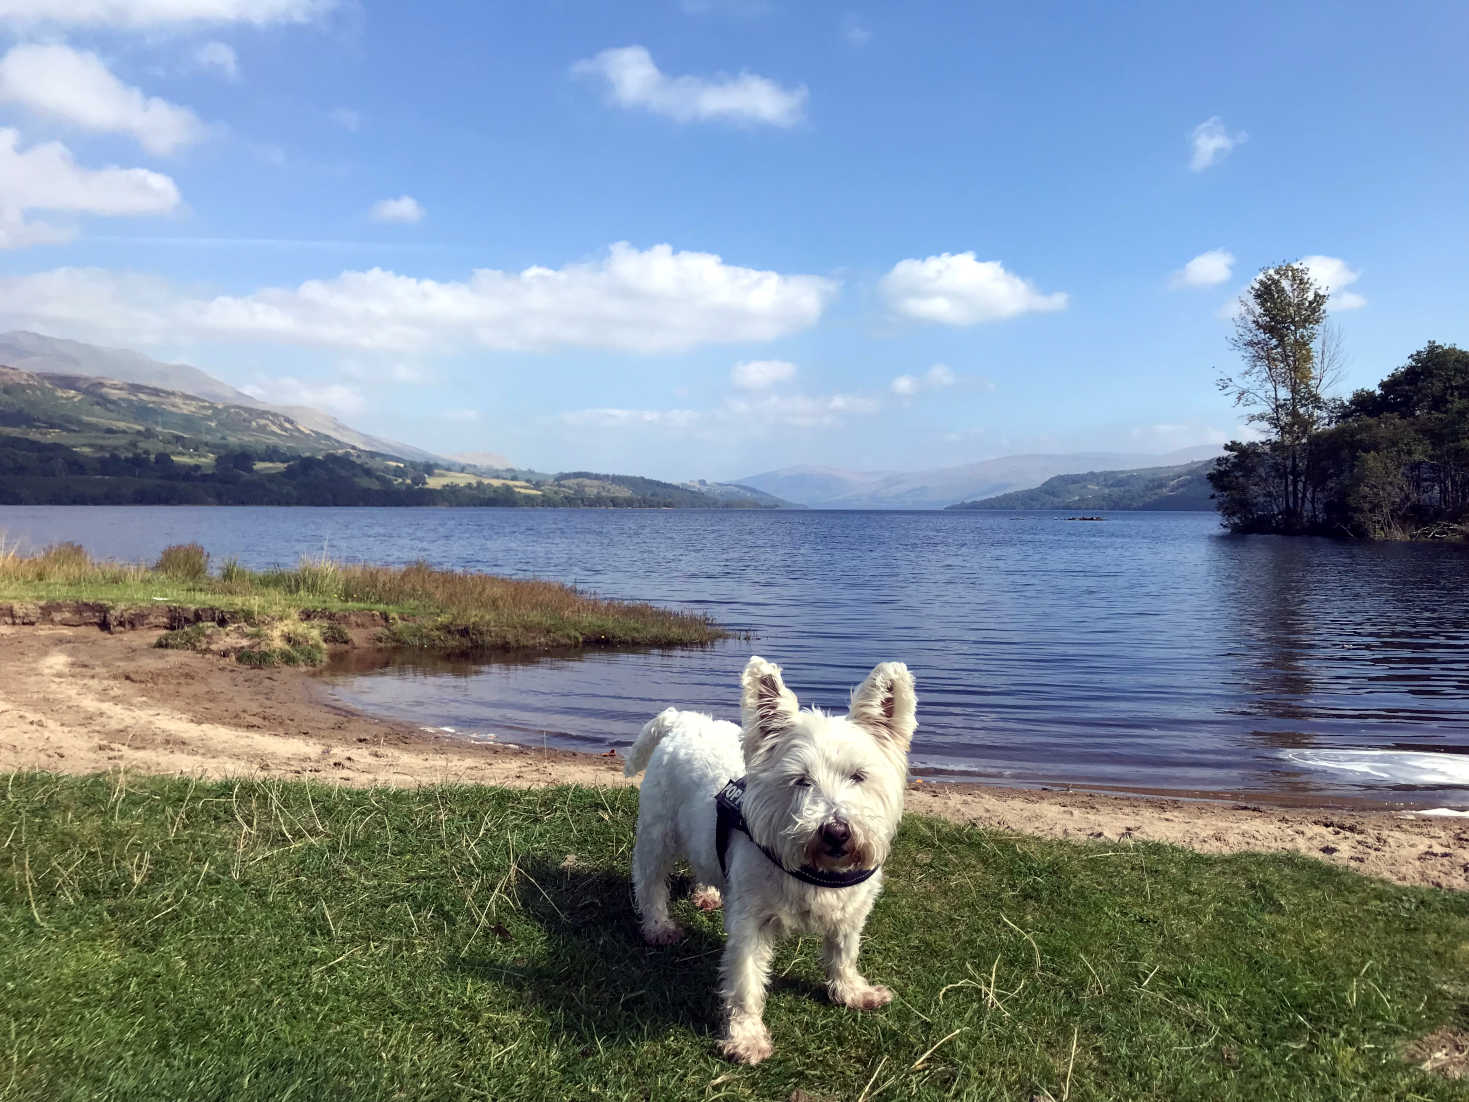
{"points": [[1144, 652]]}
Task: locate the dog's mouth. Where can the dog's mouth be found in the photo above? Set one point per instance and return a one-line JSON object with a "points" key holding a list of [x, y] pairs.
{"points": [[835, 857]]}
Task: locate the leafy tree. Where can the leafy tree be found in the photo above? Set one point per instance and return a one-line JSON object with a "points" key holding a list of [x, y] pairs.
{"points": [[1285, 378]]}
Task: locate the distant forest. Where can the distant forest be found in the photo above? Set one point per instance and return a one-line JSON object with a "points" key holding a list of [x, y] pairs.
{"points": [[36, 472]]}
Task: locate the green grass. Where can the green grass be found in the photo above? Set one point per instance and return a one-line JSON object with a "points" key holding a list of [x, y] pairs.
{"points": [[172, 939], [444, 610]]}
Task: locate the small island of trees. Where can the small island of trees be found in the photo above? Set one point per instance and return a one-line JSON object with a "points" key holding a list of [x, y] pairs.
{"points": [[1390, 462]]}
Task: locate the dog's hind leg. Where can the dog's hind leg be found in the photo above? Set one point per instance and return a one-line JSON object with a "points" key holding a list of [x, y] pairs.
{"points": [[652, 861]]}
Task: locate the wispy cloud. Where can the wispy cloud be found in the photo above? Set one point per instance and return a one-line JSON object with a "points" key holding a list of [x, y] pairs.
{"points": [[218, 57], [936, 377], [761, 374], [633, 80], [1211, 142], [855, 30], [750, 415], [346, 118], [404, 208]]}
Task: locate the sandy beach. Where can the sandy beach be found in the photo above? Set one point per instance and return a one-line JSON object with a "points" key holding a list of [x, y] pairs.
{"points": [[81, 700]]}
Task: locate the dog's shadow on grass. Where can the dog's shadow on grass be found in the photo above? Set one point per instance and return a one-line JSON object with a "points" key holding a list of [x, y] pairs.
{"points": [[594, 977]]}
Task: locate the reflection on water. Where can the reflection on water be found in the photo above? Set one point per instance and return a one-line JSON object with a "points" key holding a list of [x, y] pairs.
{"points": [[1146, 652]]}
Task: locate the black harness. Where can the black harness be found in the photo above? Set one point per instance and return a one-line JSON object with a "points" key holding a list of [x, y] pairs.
{"points": [[730, 817]]}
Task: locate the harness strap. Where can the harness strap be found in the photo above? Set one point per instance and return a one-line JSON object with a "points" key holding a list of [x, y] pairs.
{"points": [[729, 816]]}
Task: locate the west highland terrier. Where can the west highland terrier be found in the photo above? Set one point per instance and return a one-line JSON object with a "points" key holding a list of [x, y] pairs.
{"points": [[788, 818]]}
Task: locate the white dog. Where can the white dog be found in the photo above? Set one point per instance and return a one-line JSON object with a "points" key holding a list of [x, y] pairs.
{"points": [[799, 851]]}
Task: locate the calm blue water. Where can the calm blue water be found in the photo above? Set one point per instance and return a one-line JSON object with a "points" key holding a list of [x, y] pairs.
{"points": [[1147, 652]]}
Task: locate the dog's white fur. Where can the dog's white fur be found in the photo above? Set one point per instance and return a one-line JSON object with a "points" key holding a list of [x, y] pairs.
{"points": [[809, 774]]}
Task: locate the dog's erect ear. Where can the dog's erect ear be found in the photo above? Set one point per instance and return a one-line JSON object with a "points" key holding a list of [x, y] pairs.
{"points": [[767, 707], [886, 705]]}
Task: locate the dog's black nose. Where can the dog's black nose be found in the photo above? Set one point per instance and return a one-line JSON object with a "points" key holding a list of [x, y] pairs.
{"points": [[835, 834]]}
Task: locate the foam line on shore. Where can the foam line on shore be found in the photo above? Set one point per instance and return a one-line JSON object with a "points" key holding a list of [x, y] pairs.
{"points": [[1387, 766]]}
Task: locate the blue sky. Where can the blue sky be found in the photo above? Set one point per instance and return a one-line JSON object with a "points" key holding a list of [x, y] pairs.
{"points": [[706, 238]]}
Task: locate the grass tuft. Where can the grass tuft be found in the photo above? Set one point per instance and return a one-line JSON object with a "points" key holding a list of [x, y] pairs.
{"points": [[171, 938], [281, 644], [195, 637], [183, 561]]}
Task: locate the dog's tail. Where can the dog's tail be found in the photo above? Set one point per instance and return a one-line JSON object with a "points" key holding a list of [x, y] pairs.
{"points": [[648, 739]]}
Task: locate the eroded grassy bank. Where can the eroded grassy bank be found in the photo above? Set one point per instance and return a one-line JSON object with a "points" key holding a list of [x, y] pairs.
{"points": [[167, 938], [288, 611]]}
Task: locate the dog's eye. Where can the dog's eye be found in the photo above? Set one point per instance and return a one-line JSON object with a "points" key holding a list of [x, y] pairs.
{"points": [[801, 782], [858, 777]]}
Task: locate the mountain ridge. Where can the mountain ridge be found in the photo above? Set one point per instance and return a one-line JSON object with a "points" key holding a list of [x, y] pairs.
{"points": [[39, 354], [834, 488], [1183, 486]]}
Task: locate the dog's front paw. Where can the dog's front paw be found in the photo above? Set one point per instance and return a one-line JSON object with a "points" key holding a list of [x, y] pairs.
{"points": [[662, 933], [707, 898], [747, 1043], [863, 996]]}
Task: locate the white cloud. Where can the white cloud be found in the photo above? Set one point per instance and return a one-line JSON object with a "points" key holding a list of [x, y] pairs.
{"points": [[346, 118], [1332, 274], [1211, 141], [935, 378], [405, 208], [956, 289], [219, 57], [633, 80], [77, 88], [652, 300], [337, 398], [747, 415], [133, 14], [1205, 270], [46, 178], [761, 374]]}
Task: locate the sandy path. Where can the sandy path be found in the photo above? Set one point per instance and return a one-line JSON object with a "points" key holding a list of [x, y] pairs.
{"points": [[80, 700]]}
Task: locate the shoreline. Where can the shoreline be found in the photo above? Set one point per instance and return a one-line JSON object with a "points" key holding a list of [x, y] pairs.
{"points": [[80, 700]]}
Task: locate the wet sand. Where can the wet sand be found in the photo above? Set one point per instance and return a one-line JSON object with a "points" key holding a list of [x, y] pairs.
{"points": [[81, 700]]}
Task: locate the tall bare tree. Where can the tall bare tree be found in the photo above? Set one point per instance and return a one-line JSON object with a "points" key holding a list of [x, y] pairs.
{"points": [[1286, 376]]}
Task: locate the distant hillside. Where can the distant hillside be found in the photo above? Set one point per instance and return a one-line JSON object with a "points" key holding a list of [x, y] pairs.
{"points": [[732, 494], [830, 488], [814, 486], [75, 440], [84, 412], [39, 354], [1185, 486]]}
